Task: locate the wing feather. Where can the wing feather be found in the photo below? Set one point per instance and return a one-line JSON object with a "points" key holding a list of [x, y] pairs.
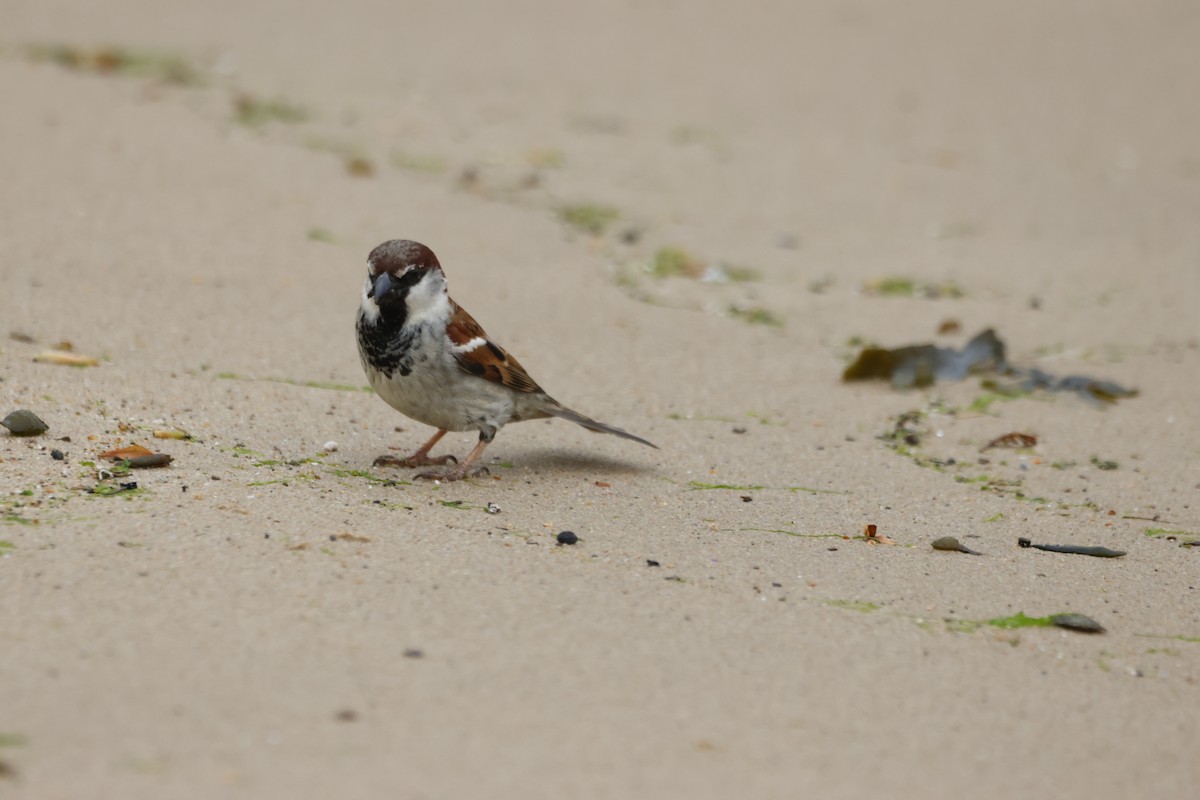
{"points": [[478, 355]]}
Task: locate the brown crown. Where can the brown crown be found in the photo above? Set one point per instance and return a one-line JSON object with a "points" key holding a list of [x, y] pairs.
{"points": [[398, 254]]}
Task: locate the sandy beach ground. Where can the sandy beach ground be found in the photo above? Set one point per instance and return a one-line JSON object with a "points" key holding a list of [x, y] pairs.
{"points": [[685, 219]]}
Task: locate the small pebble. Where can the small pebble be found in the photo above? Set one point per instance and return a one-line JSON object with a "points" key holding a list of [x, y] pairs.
{"points": [[650, 562], [950, 543], [57, 455], [24, 423], [567, 537], [492, 508], [413, 652], [330, 447]]}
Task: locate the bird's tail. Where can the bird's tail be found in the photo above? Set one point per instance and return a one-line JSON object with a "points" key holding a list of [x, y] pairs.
{"points": [[563, 412]]}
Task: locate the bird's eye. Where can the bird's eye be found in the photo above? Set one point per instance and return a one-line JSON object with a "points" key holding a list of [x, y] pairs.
{"points": [[410, 277]]}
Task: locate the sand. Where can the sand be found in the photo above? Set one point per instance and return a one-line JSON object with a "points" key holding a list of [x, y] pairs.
{"points": [[271, 616]]}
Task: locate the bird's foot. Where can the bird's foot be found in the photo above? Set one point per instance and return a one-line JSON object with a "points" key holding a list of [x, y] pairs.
{"points": [[455, 473], [415, 460]]}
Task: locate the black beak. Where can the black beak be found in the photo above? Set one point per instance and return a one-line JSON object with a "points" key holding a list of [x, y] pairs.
{"points": [[383, 283]]}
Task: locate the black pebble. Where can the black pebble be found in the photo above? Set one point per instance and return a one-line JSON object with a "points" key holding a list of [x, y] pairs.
{"points": [[57, 455], [567, 537], [650, 562], [413, 652]]}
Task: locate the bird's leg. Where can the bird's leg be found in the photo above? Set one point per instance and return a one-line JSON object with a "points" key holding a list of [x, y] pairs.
{"points": [[420, 458], [467, 469]]}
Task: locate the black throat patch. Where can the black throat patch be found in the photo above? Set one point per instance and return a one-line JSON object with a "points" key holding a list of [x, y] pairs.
{"points": [[386, 345]]}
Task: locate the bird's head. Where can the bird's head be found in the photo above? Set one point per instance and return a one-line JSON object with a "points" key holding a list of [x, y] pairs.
{"points": [[405, 283]]}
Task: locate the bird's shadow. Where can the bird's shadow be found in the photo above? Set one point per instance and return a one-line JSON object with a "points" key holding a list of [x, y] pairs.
{"points": [[548, 458]]}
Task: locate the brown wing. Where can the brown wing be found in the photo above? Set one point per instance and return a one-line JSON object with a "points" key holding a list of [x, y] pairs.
{"points": [[484, 358]]}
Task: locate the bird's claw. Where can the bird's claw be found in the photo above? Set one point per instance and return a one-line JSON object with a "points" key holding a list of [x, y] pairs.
{"points": [[412, 461]]}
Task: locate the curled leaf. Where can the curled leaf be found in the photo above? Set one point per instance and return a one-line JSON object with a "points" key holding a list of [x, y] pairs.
{"points": [[126, 453]]}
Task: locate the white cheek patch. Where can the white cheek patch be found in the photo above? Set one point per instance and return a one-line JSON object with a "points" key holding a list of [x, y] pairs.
{"points": [[467, 347], [427, 301], [370, 309]]}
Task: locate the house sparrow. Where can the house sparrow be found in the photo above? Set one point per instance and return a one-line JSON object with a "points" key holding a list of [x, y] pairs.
{"points": [[431, 361]]}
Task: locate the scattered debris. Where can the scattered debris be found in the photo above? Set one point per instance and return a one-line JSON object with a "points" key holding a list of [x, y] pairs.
{"points": [[672, 262], [872, 535], [163, 67], [1087, 388], [589, 218], [899, 286], [567, 537], [24, 423], [1077, 622], [65, 359], [21, 336], [923, 365], [152, 461], [253, 112], [730, 273], [1185, 538], [650, 562], [107, 490], [1104, 464], [360, 166], [174, 433], [346, 715], [950, 543], [1099, 552], [756, 316], [414, 652], [1014, 440], [949, 326], [349, 537]]}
